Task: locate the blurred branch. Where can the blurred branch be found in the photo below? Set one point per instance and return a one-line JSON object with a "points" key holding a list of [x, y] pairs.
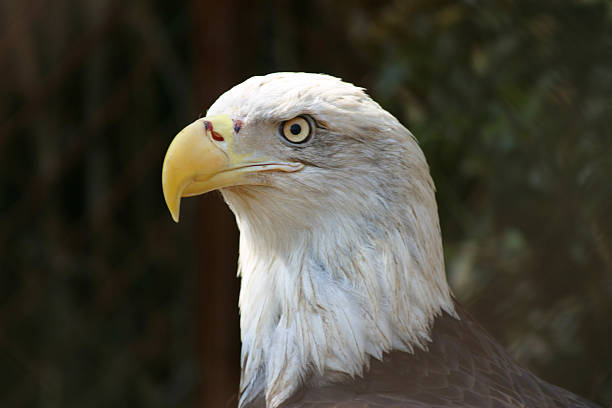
{"points": [[175, 77], [18, 18], [38, 188], [75, 58]]}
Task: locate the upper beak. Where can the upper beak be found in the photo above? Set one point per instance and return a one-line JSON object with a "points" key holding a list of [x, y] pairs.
{"points": [[201, 158]]}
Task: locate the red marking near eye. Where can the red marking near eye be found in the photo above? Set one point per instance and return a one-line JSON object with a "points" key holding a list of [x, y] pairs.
{"points": [[215, 135], [238, 124]]}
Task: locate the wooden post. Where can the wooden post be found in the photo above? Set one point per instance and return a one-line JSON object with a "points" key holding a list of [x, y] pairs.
{"points": [[218, 324]]}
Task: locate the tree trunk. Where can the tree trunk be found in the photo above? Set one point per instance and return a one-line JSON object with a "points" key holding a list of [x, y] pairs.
{"points": [[218, 324]]}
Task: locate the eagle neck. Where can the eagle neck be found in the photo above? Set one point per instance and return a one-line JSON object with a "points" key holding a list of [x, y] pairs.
{"points": [[318, 301]]}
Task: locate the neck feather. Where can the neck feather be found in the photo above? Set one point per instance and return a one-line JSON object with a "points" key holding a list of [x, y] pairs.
{"points": [[317, 301]]}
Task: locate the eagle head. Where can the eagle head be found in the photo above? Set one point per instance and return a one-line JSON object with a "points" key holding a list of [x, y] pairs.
{"points": [[340, 250]]}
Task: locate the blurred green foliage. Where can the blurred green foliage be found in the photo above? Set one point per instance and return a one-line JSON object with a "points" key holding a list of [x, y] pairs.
{"points": [[510, 100]]}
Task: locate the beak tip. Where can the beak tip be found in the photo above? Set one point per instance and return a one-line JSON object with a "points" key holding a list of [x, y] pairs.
{"points": [[173, 205], [175, 210]]}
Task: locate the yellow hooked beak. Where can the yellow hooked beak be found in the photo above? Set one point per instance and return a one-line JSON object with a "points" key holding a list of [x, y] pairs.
{"points": [[201, 158]]}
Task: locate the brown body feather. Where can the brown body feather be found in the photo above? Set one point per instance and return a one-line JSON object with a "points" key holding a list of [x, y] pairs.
{"points": [[463, 367]]}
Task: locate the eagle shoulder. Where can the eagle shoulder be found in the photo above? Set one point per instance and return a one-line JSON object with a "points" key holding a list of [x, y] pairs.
{"points": [[462, 367]]}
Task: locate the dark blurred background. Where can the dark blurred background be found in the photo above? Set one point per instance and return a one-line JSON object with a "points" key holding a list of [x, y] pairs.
{"points": [[105, 302]]}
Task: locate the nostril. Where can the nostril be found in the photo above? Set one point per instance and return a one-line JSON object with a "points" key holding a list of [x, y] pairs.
{"points": [[215, 135]]}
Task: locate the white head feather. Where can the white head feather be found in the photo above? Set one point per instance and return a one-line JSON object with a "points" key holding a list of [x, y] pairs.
{"points": [[341, 261]]}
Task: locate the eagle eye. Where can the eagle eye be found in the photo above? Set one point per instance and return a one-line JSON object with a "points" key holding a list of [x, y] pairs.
{"points": [[297, 130]]}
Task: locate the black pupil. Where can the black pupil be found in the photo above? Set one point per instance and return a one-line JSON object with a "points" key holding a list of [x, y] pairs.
{"points": [[295, 129]]}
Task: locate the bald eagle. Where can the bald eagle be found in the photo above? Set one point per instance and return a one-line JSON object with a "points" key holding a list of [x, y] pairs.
{"points": [[344, 300]]}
